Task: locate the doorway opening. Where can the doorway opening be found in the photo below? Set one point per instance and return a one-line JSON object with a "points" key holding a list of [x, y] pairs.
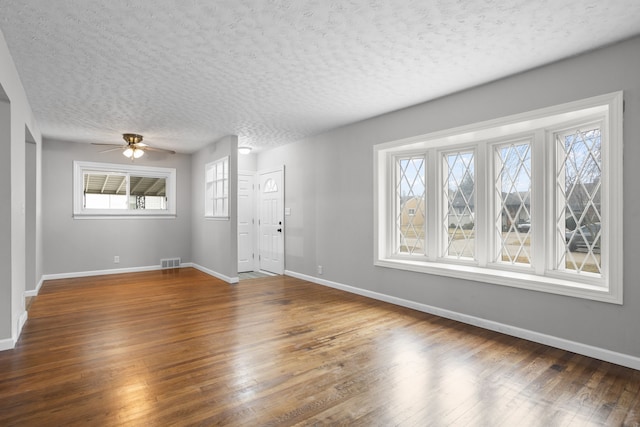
{"points": [[261, 223]]}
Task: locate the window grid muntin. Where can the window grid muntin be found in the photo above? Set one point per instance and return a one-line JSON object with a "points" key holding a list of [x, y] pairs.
{"points": [[520, 152], [458, 167], [410, 193], [217, 188], [567, 143], [540, 124], [82, 169]]}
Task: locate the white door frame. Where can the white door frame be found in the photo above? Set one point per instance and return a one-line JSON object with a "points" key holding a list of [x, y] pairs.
{"points": [[280, 169], [254, 214]]}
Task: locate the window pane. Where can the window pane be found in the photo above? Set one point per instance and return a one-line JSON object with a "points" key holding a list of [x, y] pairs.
{"points": [[105, 201], [104, 190], [410, 199], [105, 183], [513, 200], [147, 186], [459, 204], [578, 187], [147, 193], [217, 187]]}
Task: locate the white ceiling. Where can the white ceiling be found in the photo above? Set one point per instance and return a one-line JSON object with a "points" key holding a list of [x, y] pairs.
{"points": [[185, 73]]}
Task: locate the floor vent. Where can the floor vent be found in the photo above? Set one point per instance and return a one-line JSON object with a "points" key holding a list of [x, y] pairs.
{"points": [[170, 263]]}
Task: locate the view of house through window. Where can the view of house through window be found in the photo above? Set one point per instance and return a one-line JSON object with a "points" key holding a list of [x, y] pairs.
{"points": [[458, 190], [410, 190], [105, 189], [216, 191], [120, 191], [513, 199], [579, 189], [532, 195]]}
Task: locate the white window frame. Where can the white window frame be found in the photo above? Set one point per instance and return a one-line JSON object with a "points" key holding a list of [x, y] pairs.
{"points": [[540, 126], [210, 205], [81, 167]]}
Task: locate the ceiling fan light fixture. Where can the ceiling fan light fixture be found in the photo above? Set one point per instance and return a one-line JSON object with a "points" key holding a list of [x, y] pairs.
{"points": [[133, 153], [244, 150]]}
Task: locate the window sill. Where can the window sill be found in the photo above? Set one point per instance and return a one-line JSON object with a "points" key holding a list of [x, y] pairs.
{"points": [[217, 218], [512, 279], [125, 216]]}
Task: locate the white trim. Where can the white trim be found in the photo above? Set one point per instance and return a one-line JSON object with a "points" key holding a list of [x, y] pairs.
{"points": [[125, 216], [210, 211], [10, 343], [503, 277], [512, 124], [279, 169], [146, 171], [550, 340], [21, 321], [74, 275], [254, 226], [7, 344], [231, 280], [34, 292], [483, 136]]}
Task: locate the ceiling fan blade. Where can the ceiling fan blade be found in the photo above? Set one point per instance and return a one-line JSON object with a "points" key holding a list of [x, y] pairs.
{"points": [[159, 149], [119, 147], [111, 145]]}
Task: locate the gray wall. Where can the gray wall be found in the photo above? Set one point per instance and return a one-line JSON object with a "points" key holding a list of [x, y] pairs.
{"points": [[329, 188], [247, 162], [31, 277], [14, 120], [5, 218], [215, 241], [81, 245]]}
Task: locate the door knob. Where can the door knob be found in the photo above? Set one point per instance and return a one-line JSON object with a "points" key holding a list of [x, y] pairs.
{"points": [[279, 230]]}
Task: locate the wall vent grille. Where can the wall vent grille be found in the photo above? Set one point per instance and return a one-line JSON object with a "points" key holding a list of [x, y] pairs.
{"points": [[170, 263]]}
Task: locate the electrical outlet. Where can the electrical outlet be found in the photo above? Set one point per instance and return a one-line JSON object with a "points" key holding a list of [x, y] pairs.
{"points": [[320, 269], [116, 259]]}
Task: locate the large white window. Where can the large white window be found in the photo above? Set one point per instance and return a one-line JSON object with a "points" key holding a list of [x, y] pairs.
{"points": [[531, 201], [108, 190], [216, 197]]}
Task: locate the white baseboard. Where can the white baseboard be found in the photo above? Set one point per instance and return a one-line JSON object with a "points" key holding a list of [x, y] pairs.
{"points": [[10, 343], [98, 272], [7, 344], [34, 293], [23, 319], [552, 341], [124, 270], [231, 280]]}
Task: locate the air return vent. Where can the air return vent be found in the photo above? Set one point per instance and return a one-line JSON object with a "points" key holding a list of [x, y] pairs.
{"points": [[170, 263]]}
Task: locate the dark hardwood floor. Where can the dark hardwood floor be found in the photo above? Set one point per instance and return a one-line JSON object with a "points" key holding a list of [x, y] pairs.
{"points": [[178, 347]]}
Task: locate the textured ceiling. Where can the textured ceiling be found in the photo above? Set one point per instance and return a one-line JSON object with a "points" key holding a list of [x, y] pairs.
{"points": [[185, 73]]}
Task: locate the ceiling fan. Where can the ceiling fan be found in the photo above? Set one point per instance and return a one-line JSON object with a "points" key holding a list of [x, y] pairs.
{"points": [[134, 147]]}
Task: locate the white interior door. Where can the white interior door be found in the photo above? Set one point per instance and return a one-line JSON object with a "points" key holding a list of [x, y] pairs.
{"points": [[271, 224], [246, 222]]}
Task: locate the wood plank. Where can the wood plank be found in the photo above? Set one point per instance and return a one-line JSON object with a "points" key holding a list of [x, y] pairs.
{"points": [[180, 347]]}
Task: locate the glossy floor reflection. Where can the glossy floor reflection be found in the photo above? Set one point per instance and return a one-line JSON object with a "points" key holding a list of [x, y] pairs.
{"points": [[181, 348]]}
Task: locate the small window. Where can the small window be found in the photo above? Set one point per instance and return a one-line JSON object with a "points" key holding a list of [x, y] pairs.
{"points": [[216, 197], [102, 189], [410, 202], [512, 186], [270, 186], [458, 196]]}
